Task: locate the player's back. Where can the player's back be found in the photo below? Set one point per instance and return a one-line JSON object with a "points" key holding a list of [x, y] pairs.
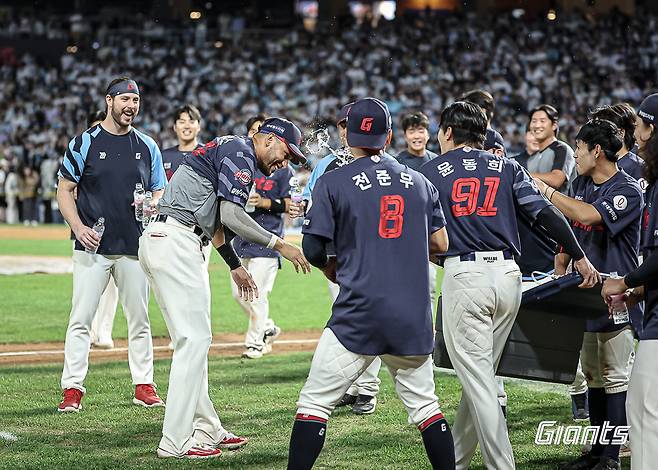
{"points": [[381, 215], [480, 194]]}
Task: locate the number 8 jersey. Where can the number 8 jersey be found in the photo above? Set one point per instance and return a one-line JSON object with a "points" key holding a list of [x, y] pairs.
{"points": [[379, 214], [480, 194]]}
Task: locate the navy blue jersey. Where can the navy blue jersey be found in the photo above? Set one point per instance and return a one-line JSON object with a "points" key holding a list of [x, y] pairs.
{"points": [[414, 162], [379, 214], [481, 195], [172, 158], [275, 186], [229, 163], [613, 245], [537, 247], [106, 167], [649, 246], [633, 166]]}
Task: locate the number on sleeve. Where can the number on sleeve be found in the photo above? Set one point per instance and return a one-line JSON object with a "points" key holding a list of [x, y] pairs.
{"points": [[391, 211]]}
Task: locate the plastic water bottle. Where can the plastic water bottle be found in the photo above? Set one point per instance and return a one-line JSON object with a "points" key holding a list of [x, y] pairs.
{"points": [[295, 191], [138, 200], [147, 209], [99, 228], [250, 207], [619, 309]]}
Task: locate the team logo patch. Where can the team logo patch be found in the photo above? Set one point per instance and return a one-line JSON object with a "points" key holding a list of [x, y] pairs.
{"points": [[138, 156], [376, 158], [643, 184], [243, 176], [467, 149], [102, 155], [167, 165], [620, 202]]}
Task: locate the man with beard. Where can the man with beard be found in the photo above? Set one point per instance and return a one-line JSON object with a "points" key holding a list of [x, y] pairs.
{"points": [[203, 202], [104, 163]]}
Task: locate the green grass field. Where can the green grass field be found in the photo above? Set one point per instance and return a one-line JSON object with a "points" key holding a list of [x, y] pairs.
{"points": [[256, 399]]}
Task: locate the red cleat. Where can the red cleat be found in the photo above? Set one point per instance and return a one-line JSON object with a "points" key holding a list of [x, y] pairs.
{"points": [[71, 403], [232, 442], [146, 396]]}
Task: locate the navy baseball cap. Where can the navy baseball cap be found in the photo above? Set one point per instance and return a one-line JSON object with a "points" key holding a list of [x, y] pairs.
{"points": [[493, 139], [368, 123], [342, 114], [288, 133], [648, 110]]}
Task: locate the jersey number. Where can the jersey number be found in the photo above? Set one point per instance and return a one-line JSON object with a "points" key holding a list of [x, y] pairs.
{"points": [[465, 193], [391, 216]]}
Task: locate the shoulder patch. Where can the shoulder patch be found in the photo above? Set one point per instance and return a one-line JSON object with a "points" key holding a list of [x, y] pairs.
{"points": [[243, 176]]}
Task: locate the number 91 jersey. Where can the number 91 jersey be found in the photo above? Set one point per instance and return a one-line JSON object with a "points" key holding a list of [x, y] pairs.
{"points": [[379, 214], [480, 194]]}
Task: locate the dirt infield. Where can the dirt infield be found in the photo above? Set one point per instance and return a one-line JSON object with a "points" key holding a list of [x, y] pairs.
{"points": [[62, 232], [222, 345], [20, 232]]}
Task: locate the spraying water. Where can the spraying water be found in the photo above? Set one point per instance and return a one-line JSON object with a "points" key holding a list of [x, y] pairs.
{"points": [[319, 140]]}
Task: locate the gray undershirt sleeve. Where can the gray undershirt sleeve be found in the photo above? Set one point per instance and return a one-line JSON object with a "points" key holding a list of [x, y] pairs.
{"points": [[234, 217]]}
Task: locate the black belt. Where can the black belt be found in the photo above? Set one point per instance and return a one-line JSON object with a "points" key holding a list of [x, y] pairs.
{"points": [[195, 228], [507, 254]]}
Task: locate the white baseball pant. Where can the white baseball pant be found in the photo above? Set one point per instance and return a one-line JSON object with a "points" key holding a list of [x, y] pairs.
{"points": [[90, 277], [480, 302], [642, 407], [101, 325], [172, 258], [334, 368], [607, 358], [264, 271]]}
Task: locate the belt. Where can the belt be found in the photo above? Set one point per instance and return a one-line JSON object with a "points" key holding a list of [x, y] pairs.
{"points": [[192, 228], [472, 256]]}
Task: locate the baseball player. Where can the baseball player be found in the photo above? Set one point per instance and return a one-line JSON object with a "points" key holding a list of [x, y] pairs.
{"points": [[101, 325], [640, 403], [381, 217], [553, 163], [211, 185], [495, 144], [187, 126], [623, 115], [605, 212], [416, 128], [270, 201], [362, 395], [104, 163], [481, 290]]}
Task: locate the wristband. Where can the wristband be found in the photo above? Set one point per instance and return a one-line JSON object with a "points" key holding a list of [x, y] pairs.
{"points": [[272, 242], [229, 256], [277, 206]]}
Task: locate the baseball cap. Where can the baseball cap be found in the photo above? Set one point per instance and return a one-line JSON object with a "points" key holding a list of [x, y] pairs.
{"points": [[493, 139], [288, 133], [368, 123], [342, 114], [648, 110]]}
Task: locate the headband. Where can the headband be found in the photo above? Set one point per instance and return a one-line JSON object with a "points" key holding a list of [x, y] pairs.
{"points": [[126, 86]]}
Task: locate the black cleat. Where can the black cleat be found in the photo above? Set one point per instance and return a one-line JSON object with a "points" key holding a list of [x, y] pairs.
{"points": [[347, 400], [584, 462], [365, 405]]}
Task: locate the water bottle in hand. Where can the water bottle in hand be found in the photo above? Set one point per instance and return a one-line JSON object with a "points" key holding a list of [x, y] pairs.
{"points": [[618, 305], [248, 206], [147, 209], [138, 201], [295, 191], [99, 228]]}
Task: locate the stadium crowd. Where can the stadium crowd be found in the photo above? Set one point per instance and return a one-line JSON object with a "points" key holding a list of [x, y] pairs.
{"points": [[413, 63]]}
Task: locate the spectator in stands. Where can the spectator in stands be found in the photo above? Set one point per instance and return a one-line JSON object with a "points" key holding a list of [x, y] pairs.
{"points": [[28, 184]]}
